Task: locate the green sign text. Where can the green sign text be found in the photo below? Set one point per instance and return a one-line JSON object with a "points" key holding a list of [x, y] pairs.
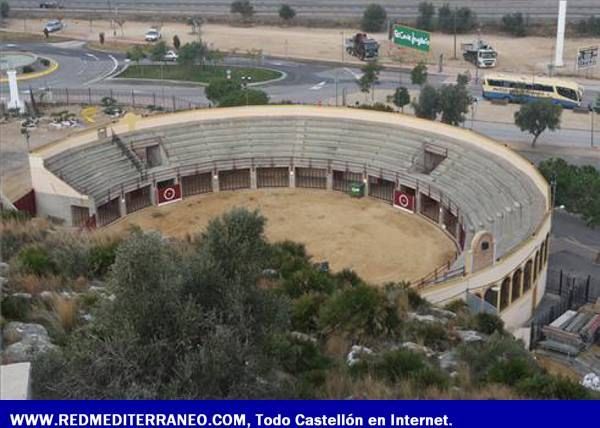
{"points": [[411, 38]]}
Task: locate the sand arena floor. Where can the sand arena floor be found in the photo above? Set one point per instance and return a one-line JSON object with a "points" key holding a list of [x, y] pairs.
{"points": [[374, 239]]}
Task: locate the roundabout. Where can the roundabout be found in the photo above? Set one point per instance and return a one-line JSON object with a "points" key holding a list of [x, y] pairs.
{"points": [[27, 65]]}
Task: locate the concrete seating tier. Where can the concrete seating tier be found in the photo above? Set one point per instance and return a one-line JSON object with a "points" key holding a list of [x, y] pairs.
{"points": [[491, 193]]}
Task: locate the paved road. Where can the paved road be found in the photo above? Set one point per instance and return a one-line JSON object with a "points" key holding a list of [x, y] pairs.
{"points": [[305, 82]]}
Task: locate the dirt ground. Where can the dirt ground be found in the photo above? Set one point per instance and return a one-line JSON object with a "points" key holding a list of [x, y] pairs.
{"points": [[525, 55], [377, 241]]}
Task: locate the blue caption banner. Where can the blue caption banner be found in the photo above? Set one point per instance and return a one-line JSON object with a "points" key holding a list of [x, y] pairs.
{"points": [[299, 414]]}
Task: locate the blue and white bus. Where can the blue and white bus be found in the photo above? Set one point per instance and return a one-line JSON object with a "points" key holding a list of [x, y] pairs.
{"points": [[525, 88]]}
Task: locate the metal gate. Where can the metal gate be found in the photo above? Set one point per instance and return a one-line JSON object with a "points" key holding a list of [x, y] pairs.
{"points": [[311, 178], [138, 199], [272, 177], [234, 179], [342, 180], [430, 208], [381, 189], [79, 216], [450, 222], [108, 212], [196, 184]]}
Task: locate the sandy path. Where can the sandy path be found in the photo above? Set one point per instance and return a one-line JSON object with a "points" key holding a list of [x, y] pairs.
{"points": [[377, 241]]}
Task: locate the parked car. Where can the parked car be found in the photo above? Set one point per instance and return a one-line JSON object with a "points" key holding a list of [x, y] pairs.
{"points": [[53, 26], [153, 35], [171, 56], [50, 4]]}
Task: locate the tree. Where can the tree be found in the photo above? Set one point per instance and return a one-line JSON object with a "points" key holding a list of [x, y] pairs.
{"points": [[158, 51], [514, 23], [176, 42], [101, 38], [370, 76], [4, 9], [220, 88], [454, 102], [191, 325], [374, 18], [418, 75], [537, 116], [244, 97], [196, 23], [466, 20], [244, 8], [425, 18], [589, 26], [136, 54], [286, 12], [120, 21], [192, 53], [428, 105], [401, 98], [450, 19]]}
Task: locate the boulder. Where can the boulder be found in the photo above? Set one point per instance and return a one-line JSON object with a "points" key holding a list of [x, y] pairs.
{"points": [[27, 349], [448, 361], [303, 337], [355, 354], [16, 331], [470, 336], [591, 381], [426, 318], [415, 347], [3, 268]]}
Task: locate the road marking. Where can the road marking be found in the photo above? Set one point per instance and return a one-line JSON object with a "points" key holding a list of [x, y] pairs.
{"points": [[357, 76], [110, 73], [319, 86], [92, 56]]}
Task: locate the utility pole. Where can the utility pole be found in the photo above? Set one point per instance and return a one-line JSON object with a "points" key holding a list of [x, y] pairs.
{"points": [[454, 21], [342, 33], [593, 113]]}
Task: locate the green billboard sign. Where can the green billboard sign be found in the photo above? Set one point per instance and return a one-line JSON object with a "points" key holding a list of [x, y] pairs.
{"points": [[411, 38]]}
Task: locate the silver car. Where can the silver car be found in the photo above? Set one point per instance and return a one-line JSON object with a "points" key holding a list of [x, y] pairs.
{"points": [[53, 26]]}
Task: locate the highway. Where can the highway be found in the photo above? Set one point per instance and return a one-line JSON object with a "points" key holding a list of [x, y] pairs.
{"points": [[319, 9]]}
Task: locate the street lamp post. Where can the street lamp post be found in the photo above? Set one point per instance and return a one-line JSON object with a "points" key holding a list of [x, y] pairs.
{"points": [[245, 82], [342, 33]]}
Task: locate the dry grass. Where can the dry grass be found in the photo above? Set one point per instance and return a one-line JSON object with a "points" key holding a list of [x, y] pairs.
{"points": [[65, 311], [337, 346], [34, 284]]}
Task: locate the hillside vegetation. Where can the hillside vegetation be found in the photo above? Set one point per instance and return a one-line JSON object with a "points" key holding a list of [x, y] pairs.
{"points": [[228, 314]]}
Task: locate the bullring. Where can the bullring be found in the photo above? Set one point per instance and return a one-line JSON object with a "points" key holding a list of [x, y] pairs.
{"points": [[491, 202]]}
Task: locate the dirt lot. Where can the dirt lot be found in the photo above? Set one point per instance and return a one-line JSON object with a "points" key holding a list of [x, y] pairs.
{"points": [[377, 241], [531, 54]]}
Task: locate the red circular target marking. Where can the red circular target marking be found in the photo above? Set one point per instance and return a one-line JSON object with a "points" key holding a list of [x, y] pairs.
{"points": [[403, 201], [169, 193]]}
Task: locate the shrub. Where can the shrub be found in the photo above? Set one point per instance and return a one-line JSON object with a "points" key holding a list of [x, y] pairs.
{"points": [[377, 107], [36, 260], [433, 335], [457, 306], [244, 97], [543, 386], [510, 371], [4, 9], [400, 364], [514, 23], [374, 18], [45, 62], [425, 19], [483, 357], [15, 308], [589, 26], [27, 69], [305, 312], [488, 323], [308, 280], [101, 258], [361, 310], [8, 215]]}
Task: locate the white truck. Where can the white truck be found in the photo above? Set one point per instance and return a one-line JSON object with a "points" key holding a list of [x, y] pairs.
{"points": [[479, 53]]}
